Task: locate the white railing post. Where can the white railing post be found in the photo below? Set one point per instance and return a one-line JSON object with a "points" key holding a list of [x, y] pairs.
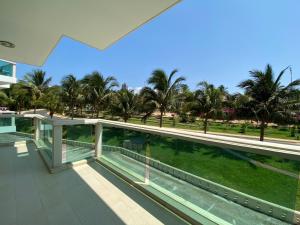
{"points": [[98, 139], [57, 146], [37, 128], [13, 121]]}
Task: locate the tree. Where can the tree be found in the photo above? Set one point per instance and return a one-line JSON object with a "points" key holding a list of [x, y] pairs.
{"points": [[208, 101], [3, 99], [162, 91], [268, 96], [145, 108], [98, 89], [37, 83], [125, 103], [19, 96], [51, 100], [70, 91], [181, 105]]}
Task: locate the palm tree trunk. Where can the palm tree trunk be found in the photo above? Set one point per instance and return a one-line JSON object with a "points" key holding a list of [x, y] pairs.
{"points": [[72, 111], [95, 110], [262, 130], [51, 114], [205, 124], [161, 118]]}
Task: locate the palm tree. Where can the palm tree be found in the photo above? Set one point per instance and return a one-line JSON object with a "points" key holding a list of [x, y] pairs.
{"points": [[37, 83], [19, 96], [3, 99], [162, 91], [145, 108], [51, 100], [98, 89], [181, 105], [125, 103], [268, 96], [70, 91], [208, 101]]}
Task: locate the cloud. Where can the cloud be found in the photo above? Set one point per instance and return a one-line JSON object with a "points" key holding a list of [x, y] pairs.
{"points": [[136, 90]]}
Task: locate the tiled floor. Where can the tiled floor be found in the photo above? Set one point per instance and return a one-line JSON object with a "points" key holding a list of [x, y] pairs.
{"points": [[85, 195]]}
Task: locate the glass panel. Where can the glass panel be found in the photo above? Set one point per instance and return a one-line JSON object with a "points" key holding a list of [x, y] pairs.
{"points": [[6, 68], [235, 186], [13, 129], [45, 141], [78, 142], [24, 125], [118, 143], [6, 122]]}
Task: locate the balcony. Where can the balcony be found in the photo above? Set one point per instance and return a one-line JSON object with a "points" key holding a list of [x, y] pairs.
{"points": [[7, 73], [101, 171]]}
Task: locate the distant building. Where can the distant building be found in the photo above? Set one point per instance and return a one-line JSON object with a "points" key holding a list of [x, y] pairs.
{"points": [[7, 73]]}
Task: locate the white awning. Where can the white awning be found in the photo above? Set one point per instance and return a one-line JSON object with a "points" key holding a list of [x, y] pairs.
{"points": [[34, 27]]}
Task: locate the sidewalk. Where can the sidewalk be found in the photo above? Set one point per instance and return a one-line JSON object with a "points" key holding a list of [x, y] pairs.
{"points": [[266, 139]]}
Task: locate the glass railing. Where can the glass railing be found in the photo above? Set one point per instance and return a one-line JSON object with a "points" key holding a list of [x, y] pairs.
{"points": [[45, 139], [78, 142], [6, 68], [24, 125], [234, 186], [222, 185], [14, 129]]}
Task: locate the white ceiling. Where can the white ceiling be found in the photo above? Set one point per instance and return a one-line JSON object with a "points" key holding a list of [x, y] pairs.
{"points": [[35, 26]]}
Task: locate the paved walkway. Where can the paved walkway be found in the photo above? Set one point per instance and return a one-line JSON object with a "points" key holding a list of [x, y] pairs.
{"points": [[263, 165], [29, 195], [266, 139]]}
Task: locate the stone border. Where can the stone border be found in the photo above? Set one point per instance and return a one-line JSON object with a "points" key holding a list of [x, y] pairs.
{"points": [[268, 208]]}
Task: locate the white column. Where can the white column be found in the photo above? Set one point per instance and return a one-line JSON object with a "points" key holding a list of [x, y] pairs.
{"points": [[37, 128], [98, 139], [147, 164], [14, 71], [13, 121], [57, 146]]}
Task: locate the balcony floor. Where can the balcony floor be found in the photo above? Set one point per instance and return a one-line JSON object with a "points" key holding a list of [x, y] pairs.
{"points": [[84, 195]]}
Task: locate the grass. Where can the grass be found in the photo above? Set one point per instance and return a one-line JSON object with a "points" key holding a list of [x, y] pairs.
{"points": [[280, 163]]}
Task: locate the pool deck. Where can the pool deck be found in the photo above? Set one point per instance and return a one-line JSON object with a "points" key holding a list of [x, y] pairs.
{"points": [[84, 195]]}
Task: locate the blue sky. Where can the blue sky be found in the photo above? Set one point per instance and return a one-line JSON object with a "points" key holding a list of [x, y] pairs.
{"points": [[214, 40]]}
